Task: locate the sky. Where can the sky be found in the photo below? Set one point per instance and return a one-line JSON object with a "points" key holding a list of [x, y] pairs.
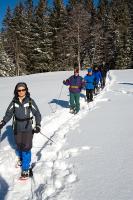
{"points": [[5, 3], [92, 157]]}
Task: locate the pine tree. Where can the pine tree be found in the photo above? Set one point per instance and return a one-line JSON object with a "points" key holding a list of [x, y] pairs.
{"points": [[29, 9], [26, 32], [101, 32], [7, 67], [40, 55], [89, 6], [7, 19], [58, 22], [130, 7], [78, 32], [122, 34], [14, 37], [40, 39], [91, 41]]}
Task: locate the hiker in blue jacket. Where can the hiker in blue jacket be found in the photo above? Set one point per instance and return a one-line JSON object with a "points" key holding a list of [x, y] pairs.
{"points": [[98, 79], [22, 108], [103, 68], [89, 85]]}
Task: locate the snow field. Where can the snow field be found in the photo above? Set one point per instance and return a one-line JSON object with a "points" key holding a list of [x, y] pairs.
{"points": [[52, 170]]}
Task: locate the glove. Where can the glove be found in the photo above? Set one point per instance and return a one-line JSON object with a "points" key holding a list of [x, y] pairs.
{"points": [[37, 129], [2, 123]]}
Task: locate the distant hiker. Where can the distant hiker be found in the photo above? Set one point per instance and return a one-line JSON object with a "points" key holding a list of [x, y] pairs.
{"points": [[89, 85], [75, 83], [22, 108], [103, 68], [98, 79]]}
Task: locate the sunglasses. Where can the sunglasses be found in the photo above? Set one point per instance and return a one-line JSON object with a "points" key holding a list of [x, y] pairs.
{"points": [[23, 90]]}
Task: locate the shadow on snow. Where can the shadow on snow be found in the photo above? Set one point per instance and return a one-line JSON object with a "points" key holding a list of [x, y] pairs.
{"points": [[8, 133], [126, 83], [62, 103], [3, 188]]}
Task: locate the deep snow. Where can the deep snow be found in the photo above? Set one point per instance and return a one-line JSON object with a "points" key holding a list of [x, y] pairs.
{"points": [[92, 156]]}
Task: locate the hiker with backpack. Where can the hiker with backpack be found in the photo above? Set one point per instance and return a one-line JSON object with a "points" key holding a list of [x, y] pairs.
{"points": [[22, 108], [89, 85], [103, 68], [98, 79], [76, 83]]}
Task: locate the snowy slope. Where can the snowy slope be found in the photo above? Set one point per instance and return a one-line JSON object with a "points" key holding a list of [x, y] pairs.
{"points": [[91, 158]]}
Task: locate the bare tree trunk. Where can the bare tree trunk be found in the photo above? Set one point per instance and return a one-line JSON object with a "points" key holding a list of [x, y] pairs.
{"points": [[17, 58], [78, 47], [94, 54]]}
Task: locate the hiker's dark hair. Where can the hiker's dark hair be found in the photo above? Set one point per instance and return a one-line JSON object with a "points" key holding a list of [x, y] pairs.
{"points": [[19, 85]]}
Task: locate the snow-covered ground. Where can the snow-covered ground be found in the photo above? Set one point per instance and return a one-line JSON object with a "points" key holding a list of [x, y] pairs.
{"points": [[92, 154]]}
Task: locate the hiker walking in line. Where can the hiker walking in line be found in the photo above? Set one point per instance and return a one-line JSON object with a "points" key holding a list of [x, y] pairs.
{"points": [[104, 68], [22, 108], [75, 83], [89, 85], [98, 79]]}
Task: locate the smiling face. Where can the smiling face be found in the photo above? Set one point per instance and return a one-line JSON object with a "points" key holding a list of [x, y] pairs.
{"points": [[21, 92]]}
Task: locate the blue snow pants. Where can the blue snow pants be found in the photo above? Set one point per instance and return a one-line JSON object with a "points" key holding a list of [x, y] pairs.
{"points": [[25, 157], [24, 144]]}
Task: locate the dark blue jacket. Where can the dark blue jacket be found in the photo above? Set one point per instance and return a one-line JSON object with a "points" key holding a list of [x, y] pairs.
{"points": [[22, 111], [98, 77]]}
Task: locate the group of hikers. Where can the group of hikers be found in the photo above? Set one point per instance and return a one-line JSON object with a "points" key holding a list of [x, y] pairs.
{"points": [[23, 108], [92, 82]]}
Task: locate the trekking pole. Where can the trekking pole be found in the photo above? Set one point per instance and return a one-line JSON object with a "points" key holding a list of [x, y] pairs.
{"points": [[59, 96], [47, 137], [51, 107]]}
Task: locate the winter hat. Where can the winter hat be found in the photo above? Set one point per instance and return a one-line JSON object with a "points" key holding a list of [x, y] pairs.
{"points": [[21, 84], [89, 70]]}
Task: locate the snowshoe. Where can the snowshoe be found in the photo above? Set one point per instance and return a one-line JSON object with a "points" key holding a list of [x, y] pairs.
{"points": [[26, 174], [72, 111], [89, 100], [75, 112]]}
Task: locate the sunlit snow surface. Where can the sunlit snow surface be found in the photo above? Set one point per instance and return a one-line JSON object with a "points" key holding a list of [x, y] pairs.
{"points": [[92, 154]]}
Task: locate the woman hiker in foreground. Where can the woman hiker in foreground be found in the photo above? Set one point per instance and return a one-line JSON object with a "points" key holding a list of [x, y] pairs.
{"points": [[22, 108], [76, 83]]}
